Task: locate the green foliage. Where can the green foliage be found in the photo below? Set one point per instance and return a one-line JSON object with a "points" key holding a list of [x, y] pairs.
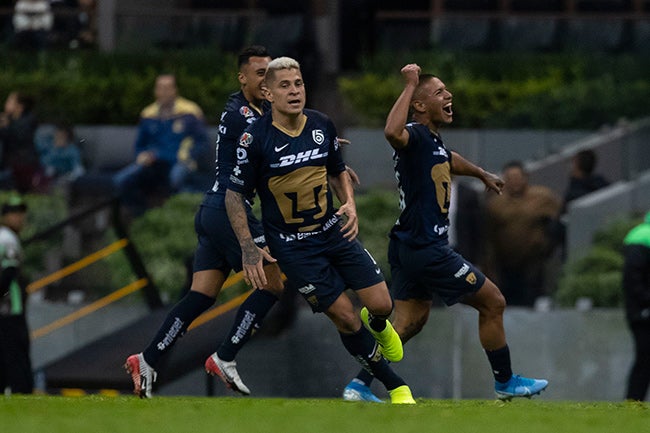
{"points": [[377, 211], [611, 237], [112, 88], [371, 96], [598, 275], [497, 90], [165, 239]]}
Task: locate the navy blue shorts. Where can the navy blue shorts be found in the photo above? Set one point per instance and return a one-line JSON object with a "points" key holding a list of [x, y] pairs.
{"points": [[218, 247], [322, 266], [418, 273]]}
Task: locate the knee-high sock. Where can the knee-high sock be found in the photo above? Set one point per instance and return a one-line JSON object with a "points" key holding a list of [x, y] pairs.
{"points": [[363, 347], [175, 325], [249, 319], [500, 363], [365, 377]]}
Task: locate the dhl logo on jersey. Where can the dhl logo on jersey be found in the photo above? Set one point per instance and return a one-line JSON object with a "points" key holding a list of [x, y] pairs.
{"points": [[300, 157]]}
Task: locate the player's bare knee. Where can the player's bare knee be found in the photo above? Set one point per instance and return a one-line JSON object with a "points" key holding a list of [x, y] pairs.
{"points": [[346, 321]]}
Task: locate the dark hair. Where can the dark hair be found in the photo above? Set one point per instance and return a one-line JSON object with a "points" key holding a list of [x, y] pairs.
{"points": [[66, 127], [26, 101], [422, 80], [514, 164], [586, 161], [252, 51]]}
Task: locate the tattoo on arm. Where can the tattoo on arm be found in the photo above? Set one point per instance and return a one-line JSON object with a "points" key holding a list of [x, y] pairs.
{"points": [[237, 215], [249, 252]]}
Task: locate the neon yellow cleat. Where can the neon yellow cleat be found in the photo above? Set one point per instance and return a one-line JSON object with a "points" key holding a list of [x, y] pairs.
{"points": [[388, 339], [401, 395]]}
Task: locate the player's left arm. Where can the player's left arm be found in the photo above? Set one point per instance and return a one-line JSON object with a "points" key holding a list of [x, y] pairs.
{"points": [[462, 167], [341, 182], [342, 186]]}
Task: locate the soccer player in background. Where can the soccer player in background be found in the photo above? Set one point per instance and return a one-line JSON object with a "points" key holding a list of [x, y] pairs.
{"points": [[217, 252], [286, 157], [422, 262]]}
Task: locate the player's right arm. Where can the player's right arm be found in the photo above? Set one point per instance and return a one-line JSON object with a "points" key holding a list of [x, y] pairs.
{"points": [[241, 184], [252, 259], [395, 129]]}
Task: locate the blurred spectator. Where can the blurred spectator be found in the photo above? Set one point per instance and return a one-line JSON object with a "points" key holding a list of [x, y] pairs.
{"points": [[518, 241], [87, 25], [582, 179], [636, 287], [20, 162], [60, 155], [32, 21], [171, 148], [74, 23], [15, 361]]}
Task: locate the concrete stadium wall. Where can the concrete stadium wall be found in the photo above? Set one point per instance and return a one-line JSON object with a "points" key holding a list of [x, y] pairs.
{"points": [[584, 355], [588, 214]]}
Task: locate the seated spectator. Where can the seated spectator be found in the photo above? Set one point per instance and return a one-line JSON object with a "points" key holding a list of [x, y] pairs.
{"points": [[194, 170], [171, 146], [32, 21], [20, 163], [60, 155]]}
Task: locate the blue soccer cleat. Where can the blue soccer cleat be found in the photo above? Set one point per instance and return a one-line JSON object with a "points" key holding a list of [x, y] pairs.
{"points": [[357, 391], [519, 386]]}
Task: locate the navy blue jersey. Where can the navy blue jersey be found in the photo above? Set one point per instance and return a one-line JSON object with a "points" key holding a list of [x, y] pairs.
{"points": [[237, 115], [423, 171], [289, 172]]}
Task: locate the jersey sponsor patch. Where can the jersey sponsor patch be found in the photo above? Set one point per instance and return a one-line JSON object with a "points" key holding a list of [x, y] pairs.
{"points": [[298, 158]]}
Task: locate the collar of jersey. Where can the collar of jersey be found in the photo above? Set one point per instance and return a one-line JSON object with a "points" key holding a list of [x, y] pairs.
{"points": [[294, 132]]}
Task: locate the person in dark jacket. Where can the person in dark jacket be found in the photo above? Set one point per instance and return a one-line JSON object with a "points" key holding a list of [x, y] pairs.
{"points": [[15, 361], [18, 125], [636, 287], [582, 179]]}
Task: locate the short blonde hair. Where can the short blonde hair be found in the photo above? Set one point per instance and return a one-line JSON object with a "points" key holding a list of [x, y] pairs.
{"points": [[279, 64]]}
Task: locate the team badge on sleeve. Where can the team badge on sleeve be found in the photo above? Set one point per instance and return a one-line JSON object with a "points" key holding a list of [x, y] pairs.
{"points": [[246, 112], [246, 139]]}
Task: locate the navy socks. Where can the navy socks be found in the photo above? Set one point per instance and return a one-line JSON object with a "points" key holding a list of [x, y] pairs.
{"points": [[363, 347], [249, 319], [175, 325], [500, 363]]}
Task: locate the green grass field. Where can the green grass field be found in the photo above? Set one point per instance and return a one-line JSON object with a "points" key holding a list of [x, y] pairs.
{"points": [[51, 414]]}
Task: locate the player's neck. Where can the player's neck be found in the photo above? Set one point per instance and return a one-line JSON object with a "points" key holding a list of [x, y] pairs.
{"points": [[290, 123]]}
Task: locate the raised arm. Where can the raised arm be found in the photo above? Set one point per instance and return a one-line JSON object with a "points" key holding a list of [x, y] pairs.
{"points": [[252, 259], [395, 129], [462, 167]]}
